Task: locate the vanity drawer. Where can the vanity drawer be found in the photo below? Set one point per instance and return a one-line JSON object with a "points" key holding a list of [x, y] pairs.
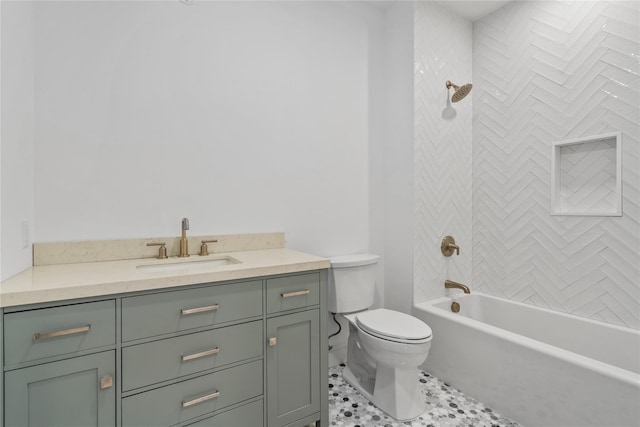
{"points": [[167, 312], [36, 334], [183, 401], [291, 292], [249, 415], [157, 361]]}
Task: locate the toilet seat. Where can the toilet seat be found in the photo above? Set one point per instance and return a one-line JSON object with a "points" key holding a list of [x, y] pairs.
{"points": [[393, 326]]}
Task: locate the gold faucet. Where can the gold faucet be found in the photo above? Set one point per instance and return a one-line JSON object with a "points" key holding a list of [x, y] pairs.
{"points": [[184, 244], [454, 285]]}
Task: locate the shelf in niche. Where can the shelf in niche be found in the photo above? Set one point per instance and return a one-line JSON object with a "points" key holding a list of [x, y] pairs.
{"points": [[586, 176]]}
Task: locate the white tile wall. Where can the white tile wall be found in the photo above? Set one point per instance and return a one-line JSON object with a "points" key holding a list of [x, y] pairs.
{"points": [[442, 156], [544, 72]]}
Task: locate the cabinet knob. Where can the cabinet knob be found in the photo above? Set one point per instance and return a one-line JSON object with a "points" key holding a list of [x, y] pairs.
{"points": [[106, 382], [273, 341]]}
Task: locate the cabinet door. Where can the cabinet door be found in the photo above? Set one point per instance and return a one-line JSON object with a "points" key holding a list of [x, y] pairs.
{"points": [[293, 367], [69, 393]]}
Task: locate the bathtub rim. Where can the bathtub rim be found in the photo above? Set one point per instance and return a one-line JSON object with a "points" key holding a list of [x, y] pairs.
{"points": [[628, 377]]}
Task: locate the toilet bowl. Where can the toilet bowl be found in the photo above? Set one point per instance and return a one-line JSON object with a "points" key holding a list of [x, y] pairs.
{"points": [[385, 347]]}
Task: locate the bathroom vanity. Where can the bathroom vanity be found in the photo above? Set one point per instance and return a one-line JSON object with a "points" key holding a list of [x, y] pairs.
{"points": [[243, 344]]}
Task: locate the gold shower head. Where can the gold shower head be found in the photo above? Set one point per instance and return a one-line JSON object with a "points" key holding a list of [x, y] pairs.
{"points": [[459, 91]]}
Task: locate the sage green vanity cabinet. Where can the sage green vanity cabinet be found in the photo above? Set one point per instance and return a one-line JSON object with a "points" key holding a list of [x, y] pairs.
{"points": [[185, 400], [162, 360], [293, 367], [297, 345], [250, 414], [71, 392], [56, 372], [2, 372], [37, 334], [150, 315], [293, 292], [243, 353]]}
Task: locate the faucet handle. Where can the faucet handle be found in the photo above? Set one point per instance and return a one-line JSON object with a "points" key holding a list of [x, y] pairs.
{"points": [[204, 249], [162, 250], [448, 246]]}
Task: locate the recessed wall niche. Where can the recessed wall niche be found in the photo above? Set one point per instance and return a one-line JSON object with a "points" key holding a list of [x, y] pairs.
{"points": [[586, 176]]}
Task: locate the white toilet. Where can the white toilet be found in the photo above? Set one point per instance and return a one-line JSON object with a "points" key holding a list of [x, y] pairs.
{"points": [[385, 346]]}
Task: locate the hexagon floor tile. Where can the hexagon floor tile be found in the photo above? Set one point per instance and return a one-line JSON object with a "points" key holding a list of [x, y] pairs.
{"points": [[446, 406]]}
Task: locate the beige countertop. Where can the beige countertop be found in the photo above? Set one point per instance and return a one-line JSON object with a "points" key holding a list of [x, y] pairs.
{"points": [[58, 282]]}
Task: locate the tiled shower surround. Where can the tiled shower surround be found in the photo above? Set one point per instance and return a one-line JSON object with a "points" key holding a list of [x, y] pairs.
{"points": [[543, 72], [442, 149], [546, 72], [445, 406]]}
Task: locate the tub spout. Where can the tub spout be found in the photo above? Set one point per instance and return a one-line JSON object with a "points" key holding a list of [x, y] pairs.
{"points": [[455, 285]]}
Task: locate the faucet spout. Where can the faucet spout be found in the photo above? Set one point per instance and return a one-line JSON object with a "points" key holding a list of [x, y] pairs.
{"points": [[449, 284], [184, 243]]}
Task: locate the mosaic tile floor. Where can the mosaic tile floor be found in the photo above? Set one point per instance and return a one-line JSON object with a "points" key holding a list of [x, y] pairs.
{"points": [[446, 406]]}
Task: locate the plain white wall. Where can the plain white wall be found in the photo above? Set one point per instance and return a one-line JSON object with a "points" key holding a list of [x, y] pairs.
{"points": [[242, 116], [1, 276], [398, 158], [17, 112], [391, 147]]}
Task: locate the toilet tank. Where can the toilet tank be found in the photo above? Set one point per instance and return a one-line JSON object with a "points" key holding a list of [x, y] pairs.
{"points": [[352, 282]]}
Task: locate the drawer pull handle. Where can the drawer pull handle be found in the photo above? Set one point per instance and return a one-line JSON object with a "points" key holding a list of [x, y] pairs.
{"points": [[211, 352], [185, 312], [200, 399], [295, 293], [38, 336]]}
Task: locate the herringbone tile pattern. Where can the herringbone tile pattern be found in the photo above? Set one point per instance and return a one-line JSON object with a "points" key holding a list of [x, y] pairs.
{"points": [[442, 156], [545, 72]]}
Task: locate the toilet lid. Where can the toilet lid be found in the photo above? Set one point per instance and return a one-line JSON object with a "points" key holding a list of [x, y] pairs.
{"points": [[393, 325]]}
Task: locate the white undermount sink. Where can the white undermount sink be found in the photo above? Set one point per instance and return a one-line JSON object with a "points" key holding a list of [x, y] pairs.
{"points": [[199, 265]]}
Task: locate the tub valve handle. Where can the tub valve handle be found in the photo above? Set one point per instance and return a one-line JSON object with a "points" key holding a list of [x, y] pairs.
{"points": [[448, 246]]}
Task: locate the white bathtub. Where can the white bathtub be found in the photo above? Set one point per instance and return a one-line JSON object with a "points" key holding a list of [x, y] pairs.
{"points": [[539, 367]]}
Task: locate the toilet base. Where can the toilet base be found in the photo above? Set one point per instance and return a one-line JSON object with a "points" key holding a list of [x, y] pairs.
{"points": [[396, 391]]}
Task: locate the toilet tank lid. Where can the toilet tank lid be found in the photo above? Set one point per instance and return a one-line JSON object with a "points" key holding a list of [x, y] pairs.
{"points": [[355, 260]]}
